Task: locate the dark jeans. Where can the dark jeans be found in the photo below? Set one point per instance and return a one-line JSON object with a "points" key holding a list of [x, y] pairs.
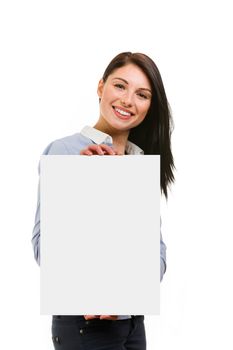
{"points": [[75, 333]]}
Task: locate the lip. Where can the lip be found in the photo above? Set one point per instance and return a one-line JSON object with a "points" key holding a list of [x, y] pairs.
{"points": [[123, 117]]}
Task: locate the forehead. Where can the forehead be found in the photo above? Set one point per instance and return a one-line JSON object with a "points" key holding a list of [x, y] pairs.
{"points": [[132, 74]]}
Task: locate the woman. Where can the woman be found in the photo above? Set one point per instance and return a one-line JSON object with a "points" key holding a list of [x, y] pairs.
{"points": [[134, 119]]}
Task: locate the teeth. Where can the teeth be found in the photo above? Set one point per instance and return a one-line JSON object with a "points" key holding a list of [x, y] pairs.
{"points": [[122, 112]]}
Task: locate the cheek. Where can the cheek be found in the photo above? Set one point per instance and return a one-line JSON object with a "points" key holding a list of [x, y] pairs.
{"points": [[107, 98], [145, 109]]}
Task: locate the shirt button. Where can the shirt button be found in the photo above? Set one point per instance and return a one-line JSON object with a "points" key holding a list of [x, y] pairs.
{"points": [[81, 331], [87, 322]]}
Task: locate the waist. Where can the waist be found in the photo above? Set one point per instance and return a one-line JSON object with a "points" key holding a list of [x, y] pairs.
{"points": [[77, 318]]}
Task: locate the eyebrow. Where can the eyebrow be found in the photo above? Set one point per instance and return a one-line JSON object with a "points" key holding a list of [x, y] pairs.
{"points": [[125, 81]]}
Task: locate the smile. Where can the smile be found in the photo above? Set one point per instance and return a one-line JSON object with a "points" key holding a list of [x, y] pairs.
{"points": [[122, 114]]}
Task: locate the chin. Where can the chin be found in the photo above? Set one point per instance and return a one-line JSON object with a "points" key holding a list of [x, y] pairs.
{"points": [[121, 127], [118, 125]]}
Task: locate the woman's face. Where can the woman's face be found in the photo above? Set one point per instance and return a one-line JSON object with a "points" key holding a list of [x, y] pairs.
{"points": [[125, 97]]}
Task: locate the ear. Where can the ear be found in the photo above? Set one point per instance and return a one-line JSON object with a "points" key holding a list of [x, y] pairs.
{"points": [[100, 88]]}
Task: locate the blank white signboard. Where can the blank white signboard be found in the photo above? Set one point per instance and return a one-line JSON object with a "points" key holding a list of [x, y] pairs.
{"points": [[100, 235]]}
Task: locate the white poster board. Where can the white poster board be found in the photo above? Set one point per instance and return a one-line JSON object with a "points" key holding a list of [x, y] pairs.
{"points": [[100, 235]]}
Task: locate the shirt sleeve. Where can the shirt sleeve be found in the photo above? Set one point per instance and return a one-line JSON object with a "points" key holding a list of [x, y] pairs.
{"points": [[59, 148], [163, 264]]}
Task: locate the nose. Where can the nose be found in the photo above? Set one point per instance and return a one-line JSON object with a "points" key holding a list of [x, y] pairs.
{"points": [[127, 100]]}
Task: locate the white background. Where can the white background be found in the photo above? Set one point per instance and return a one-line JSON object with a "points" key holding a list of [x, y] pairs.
{"points": [[52, 55]]}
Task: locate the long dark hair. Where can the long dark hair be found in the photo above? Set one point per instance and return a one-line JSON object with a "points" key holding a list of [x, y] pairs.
{"points": [[153, 135]]}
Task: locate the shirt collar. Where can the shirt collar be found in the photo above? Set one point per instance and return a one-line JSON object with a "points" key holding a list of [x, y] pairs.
{"points": [[99, 137]]}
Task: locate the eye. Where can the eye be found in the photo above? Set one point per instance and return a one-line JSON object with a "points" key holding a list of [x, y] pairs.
{"points": [[140, 94], [119, 86]]}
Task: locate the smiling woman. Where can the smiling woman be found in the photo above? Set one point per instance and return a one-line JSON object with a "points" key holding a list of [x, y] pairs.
{"points": [[135, 119], [127, 93]]}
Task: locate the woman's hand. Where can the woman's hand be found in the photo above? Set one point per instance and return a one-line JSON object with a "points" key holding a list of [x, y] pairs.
{"points": [[109, 317], [101, 317], [98, 149]]}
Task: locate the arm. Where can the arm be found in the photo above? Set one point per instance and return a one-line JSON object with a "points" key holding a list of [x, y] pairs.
{"points": [[36, 230], [163, 264], [54, 148]]}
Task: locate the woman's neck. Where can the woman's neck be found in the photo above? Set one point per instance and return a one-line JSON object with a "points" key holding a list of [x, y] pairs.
{"points": [[119, 137]]}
